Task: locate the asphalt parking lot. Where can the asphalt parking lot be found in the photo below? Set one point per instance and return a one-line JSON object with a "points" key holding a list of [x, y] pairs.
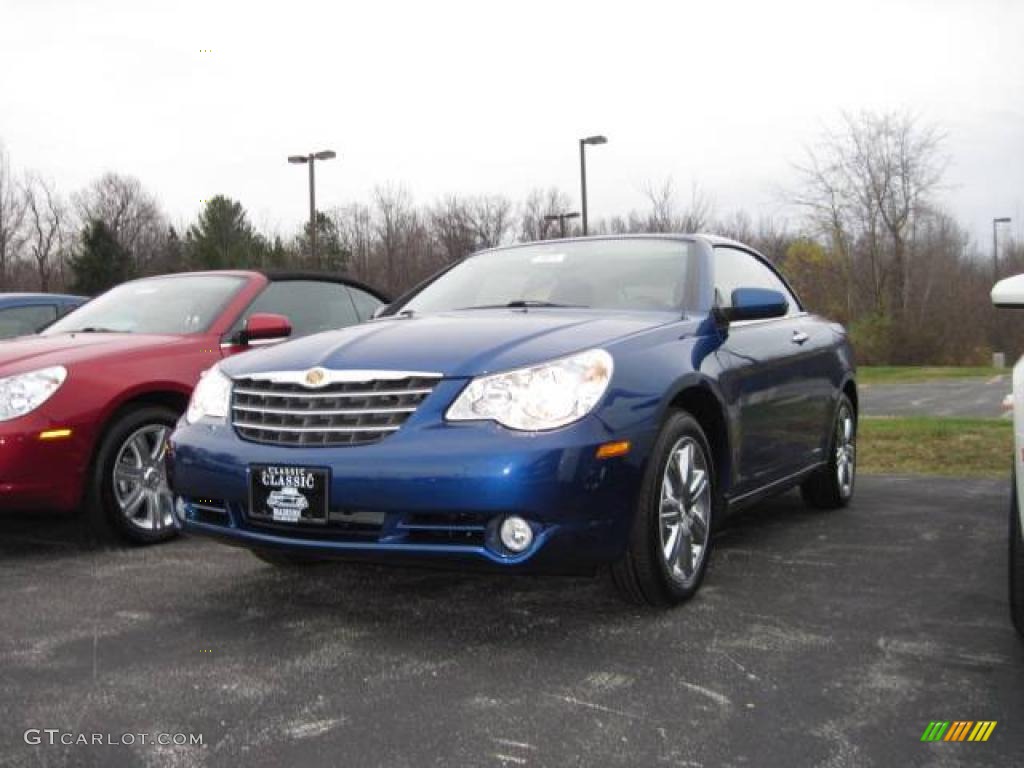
{"points": [[964, 398], [819, 639]]}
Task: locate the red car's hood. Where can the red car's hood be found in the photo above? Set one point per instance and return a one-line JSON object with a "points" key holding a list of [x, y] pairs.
{"points": [[29, 353]]}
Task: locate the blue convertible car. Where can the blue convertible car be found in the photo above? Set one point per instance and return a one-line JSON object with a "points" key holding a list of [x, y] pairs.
{"points": [[562, 405]]}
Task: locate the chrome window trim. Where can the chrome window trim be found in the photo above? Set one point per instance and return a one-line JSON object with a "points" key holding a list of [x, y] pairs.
{"points": [[763, 320]]}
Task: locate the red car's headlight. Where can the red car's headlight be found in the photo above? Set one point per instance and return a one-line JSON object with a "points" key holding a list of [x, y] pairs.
{"points": [[24, 392]]}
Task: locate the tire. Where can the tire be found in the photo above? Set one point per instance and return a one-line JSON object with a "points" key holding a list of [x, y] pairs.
{"points": [[285, 559], [668, 518], [1016, 564], [831, 487], [128, 498]]}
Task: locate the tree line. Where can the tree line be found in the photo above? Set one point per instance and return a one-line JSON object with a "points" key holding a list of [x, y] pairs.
{"points": [[873, 247]]}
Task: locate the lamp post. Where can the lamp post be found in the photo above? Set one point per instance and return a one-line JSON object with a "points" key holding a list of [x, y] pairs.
{"points": [[583, 173], [561, 218], [995, 245], [311, 159]]}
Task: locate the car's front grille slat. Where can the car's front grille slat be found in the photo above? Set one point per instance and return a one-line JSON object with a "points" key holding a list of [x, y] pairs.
{"points": [[341, 413], [322, 412], [316, 395], [282, 428]]}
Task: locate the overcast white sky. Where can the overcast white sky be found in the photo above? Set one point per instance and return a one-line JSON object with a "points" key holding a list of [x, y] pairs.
{"points": [[482, 97]]}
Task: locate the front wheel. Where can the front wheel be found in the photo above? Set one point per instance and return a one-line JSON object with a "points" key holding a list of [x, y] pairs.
{"points": [[831, 487], [1016, 564], [670, 542], [129, 495]]}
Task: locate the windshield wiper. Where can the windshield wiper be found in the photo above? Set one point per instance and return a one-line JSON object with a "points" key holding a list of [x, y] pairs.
{"points": [[528, 304], [95, 329]]}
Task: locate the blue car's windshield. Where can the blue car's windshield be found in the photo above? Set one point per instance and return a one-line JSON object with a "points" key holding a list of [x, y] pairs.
{"points": [[185, 304], [640, 274]]}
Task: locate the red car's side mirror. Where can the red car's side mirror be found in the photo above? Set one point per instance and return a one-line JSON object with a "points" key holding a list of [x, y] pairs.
{"points": [[264, 326]]}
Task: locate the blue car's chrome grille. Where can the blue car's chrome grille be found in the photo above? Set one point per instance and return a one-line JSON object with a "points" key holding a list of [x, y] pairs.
{"points": [[340, 413]]}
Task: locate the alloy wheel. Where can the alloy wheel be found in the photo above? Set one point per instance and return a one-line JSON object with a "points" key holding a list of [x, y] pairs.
{"points": [[140, 479], [685, 510], [846, 451]]}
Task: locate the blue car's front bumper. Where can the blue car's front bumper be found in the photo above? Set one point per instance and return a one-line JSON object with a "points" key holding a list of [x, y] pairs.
{"points": [[431, 491]]}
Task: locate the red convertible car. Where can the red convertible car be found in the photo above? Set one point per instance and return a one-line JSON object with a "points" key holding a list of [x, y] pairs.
{"points": [[86, 407]]}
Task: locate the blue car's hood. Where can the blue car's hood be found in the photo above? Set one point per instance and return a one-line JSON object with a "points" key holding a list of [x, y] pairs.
{"points": [[466, 343]]}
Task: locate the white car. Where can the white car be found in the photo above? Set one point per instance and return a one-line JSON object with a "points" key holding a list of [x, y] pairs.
{"points": [[1010, 293]]}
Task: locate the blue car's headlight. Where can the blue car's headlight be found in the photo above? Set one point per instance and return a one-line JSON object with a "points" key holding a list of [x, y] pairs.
{"points": [[541, 397], [211, 397]]}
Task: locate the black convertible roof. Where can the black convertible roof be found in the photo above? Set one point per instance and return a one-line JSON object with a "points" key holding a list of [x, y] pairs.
{"points": [[281, 275]]}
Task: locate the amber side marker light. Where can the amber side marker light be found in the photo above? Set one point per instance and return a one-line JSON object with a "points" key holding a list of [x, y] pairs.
{"points": [[611, 450], [54, 434]]}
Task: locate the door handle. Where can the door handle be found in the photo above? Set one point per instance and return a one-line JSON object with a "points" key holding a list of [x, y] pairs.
{"points": [[799, 337]]}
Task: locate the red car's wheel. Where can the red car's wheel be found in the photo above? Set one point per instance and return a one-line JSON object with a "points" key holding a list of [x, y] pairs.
{"points": [[129, 495]]}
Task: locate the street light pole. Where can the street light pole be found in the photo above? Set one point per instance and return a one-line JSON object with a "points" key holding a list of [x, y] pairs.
{"points": [[561, 219], [583, 173], [312, 211], [995, 245], [311, 159]]}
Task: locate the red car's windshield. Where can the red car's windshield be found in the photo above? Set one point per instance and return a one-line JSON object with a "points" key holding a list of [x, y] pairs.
{"points": [[174, 304]]}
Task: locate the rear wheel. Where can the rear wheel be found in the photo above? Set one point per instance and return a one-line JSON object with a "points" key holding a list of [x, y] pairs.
{"points": [[670, 541], [1016, 563], [129, 498], [831, 486]]}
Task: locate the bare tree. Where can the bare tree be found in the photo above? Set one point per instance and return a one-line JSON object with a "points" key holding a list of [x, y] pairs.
{"points": [[450, 224], [356, 232], [47, 218], [490, 218], [402, 238], [538, 204], [866, 186], [666, 215], [130, 213], [12, 217]]}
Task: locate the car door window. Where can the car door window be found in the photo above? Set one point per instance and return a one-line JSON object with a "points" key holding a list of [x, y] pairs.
{"points": [[21, 321], [309, 305], [738, 269], [366, 304]]}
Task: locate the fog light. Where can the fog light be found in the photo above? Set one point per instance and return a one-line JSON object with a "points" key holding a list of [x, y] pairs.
{"points": [[516, 534], [179, 508]]}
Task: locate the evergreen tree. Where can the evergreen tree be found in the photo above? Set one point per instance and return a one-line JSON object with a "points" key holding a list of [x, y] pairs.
{"points": [[100, 262], [331, 254], [223, 238]]}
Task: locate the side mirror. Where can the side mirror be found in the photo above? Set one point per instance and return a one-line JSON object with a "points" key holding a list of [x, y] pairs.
{"points": [[1009, 292], [754, 304], [264, 326]]}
